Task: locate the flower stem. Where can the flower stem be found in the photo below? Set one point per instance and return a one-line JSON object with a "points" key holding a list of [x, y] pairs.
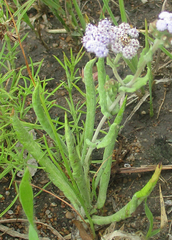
{"points": [[147, 58], [87, 158]]}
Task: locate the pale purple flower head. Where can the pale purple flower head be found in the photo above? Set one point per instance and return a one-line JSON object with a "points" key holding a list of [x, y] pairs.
{"points": [[104, 24], [120, 33], [170, 27], [133, 33], [124, 26], [101, 51], [98, 39], [126, 41], [135, 43], [91, 45], [129, 52], [112, 34], [161, 25], [164, 15], [164, 22], [116, 47]]}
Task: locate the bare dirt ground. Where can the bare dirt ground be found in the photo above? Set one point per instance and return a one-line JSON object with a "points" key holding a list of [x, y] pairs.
{"points": [[142, 141]]}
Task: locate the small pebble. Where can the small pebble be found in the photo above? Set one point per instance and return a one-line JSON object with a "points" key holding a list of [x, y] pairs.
{"points": [[45, 205], [47, 212], [143, 113], [7, 193], [53, 204], [10, 212]]}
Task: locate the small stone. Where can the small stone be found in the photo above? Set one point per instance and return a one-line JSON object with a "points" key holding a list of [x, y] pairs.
{"points": [[10, 212], [53, 204], [7, 193], [143, 112], [47, 212]]}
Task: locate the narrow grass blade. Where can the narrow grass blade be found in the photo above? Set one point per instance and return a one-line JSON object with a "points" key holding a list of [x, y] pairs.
{"points": [[9, 206], [122, 11], [80, 15], [58, 11], [149, 215], [106, 6], [150, 67]]}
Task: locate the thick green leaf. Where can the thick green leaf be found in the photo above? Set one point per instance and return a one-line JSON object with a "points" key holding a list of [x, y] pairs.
{"points": [[75, 163], [104, 172], [33, 233], [45, 119], [140, 82], [136, 200], [91, 105], [56, 174], [109, 137], [26, 196]]}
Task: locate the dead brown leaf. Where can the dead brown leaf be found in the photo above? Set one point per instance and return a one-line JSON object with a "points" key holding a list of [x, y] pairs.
{"points": [[82, 232]]}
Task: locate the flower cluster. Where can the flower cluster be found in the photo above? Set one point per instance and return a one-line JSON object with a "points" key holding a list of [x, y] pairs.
{"points": [[162, 28], [121, 39], [126, 41], [164, 22], [97, 39]]}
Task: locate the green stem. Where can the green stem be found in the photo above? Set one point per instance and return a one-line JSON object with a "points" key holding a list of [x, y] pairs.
{"points": [[147, 58], [103, 120], [150, 90], [112, 63], [117, 76]]}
